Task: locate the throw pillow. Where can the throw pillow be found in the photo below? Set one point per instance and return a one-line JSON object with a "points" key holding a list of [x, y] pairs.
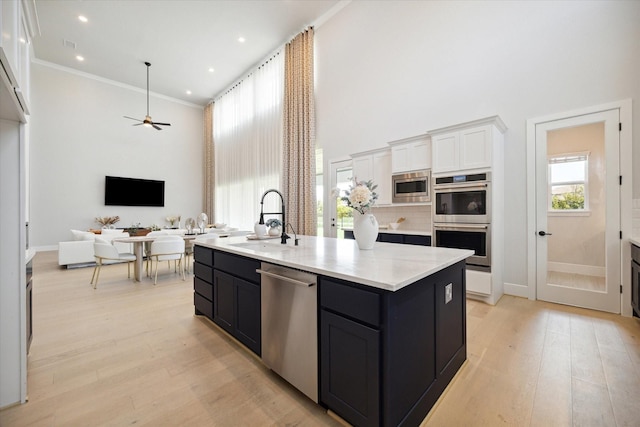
{"points": [[82, 235]]}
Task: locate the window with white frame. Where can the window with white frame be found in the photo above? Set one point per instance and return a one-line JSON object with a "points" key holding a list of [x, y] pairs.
{"points": [[568, 183]]}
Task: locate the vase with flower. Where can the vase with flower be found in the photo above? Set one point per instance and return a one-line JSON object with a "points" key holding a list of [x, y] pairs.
{"points": [[361, 197], [275, 227]]}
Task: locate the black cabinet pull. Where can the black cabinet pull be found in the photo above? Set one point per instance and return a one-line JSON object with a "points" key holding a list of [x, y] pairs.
{"points": [[544, 233]]}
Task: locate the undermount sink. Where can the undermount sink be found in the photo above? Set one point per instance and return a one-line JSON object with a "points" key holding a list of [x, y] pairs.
{"points": [[262, 246]]}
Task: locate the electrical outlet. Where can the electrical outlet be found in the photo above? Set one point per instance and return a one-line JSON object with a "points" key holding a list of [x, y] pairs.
{"points": [[448, 293]]}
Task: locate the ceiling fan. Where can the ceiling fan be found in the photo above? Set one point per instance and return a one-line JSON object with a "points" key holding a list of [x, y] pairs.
{"points": [[147, 119]]}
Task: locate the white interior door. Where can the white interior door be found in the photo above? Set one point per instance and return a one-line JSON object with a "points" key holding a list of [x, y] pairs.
{"points": [[578, 211], [341, 173]]}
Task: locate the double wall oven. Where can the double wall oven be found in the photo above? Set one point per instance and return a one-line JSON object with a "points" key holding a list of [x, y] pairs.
{"points": [[462, 216]]}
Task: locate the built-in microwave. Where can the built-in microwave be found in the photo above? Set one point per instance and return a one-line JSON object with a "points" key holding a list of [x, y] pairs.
{"points": [[411, 187]]}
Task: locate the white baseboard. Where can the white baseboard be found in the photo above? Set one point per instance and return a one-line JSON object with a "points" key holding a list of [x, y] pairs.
{"points": [[516, 290], [45, 248], [587, 270]]}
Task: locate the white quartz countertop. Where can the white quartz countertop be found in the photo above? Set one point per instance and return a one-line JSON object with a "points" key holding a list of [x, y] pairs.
{"points": [[635, 241], [398, 231], [387, 266]]}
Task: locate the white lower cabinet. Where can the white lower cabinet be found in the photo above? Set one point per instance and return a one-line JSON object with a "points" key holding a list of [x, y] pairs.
{"points": [[478, 282]]}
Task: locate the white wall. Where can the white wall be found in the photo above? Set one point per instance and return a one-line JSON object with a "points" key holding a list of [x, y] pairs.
{"points": [[388, 70], [78, 136]]}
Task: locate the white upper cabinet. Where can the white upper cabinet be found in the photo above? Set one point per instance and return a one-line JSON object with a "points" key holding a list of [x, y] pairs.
{"points": [[14, 60], [375, 165], [9, 12], [464, 147], [411, 154]]}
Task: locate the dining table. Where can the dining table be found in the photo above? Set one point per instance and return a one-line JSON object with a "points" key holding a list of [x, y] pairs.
{"points": [[138, 248]]}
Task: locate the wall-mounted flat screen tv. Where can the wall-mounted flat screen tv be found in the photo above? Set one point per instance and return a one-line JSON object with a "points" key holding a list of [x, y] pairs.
{"points": [[120, 191]]}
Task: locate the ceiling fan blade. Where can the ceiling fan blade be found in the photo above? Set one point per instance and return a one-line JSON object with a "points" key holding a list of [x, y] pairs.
{"points": [[147, 119]]}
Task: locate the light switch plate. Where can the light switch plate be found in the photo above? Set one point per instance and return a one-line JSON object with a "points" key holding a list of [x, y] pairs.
{"points": [[448, 293]]}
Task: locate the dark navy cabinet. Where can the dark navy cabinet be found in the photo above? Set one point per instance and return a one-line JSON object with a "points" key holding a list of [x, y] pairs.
{"points": [[350, 351], [350, 380], [227, 291], [203, 281], [236, 298], [386, 357], [407, 239]]}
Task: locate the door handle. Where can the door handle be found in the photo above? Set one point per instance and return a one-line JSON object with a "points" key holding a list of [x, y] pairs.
{"points": [[544, 233]]}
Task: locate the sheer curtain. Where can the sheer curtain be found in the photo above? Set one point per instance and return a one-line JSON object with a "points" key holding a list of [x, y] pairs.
{"points": [[247, 131]]}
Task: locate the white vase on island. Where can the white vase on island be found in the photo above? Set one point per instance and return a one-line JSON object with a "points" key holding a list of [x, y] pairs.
{"points": [[274, 231], [365, 229]]}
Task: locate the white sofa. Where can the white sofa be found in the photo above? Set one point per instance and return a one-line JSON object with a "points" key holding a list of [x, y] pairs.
{"points": [[79, 251]]}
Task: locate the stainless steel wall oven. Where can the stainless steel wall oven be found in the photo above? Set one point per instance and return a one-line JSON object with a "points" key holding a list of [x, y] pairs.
{"points": [[476, 237], [463, 199], [462, 216]]}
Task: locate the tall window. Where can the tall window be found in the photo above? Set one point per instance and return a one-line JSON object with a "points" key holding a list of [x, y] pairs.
{"points": [[319, 191], [568, 182], [247, 133]]}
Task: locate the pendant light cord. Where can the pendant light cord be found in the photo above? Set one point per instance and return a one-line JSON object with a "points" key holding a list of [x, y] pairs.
{"points": [[148, 65]]}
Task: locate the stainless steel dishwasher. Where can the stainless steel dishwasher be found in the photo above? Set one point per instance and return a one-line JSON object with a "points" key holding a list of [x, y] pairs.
{"points": [[289, 303]]}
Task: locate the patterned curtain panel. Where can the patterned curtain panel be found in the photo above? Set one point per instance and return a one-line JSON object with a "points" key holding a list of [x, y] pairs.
{"points": [[208, 203], [299, 168]]}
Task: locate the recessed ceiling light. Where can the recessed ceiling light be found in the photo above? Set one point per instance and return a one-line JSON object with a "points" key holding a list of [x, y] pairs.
{"points": [[241, 39], [188, 92], [83, 18], [80, 58], [211, 69]]}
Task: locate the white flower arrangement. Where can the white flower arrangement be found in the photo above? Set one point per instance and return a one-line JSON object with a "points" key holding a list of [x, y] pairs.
{"points": [[172, 219], [361, 195]]}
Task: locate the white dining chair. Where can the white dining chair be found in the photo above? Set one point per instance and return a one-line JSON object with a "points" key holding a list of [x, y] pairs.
{"points": [[147, 248], [106, 253], [165, 248]]}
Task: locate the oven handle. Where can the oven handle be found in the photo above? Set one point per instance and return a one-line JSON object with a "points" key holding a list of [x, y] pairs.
{"points": [[455, 227], [460, 187]]}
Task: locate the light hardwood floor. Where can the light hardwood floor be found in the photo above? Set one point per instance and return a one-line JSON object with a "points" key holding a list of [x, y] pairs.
{"points": [[134, 353]]}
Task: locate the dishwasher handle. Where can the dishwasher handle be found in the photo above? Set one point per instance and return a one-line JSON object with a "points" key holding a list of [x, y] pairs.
{"points": [[285, 278]]}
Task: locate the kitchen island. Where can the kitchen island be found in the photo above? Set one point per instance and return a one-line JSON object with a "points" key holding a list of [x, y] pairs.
{"points": [[391, 322]]}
